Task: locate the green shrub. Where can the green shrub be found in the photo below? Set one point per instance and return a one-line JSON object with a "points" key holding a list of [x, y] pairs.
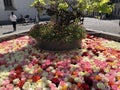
{"points": [[50, 32]]}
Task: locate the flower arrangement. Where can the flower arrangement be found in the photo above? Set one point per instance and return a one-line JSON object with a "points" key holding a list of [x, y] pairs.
{"points": [[95, 66]]}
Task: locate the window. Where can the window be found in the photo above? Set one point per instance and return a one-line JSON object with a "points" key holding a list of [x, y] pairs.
{"points": [[8, 5]]}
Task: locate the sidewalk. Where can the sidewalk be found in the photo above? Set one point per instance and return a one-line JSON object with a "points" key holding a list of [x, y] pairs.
{"points": [[106, 26], [7, 30]]}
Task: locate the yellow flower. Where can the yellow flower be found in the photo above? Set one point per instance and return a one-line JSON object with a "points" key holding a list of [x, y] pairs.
{"points": [[65, 87]]}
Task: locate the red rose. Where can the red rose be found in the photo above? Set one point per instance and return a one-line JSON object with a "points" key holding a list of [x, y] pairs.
{"points": [[12, 77], [18, 76], [89, 48], [102, 71], [35, 62], [85, 86], [21, 83], [95, 52], [18, 72], [55, 81], [36, 78], [85, 54], [18, 67]]}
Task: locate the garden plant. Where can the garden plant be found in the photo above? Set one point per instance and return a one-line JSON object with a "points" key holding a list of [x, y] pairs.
{"points": [[64, 25]]}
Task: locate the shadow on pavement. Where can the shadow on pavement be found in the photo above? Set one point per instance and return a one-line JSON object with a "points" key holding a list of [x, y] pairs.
{"points": [[8, 32]]}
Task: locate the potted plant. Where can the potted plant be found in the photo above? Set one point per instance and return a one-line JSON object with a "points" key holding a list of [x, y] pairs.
{"points": [[64, 30]]}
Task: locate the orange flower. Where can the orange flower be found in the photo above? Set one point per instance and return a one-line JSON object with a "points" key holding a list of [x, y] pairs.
{"points": [[58, 73], [119, 86], [77, 58], [118, 78], [111, 63], [79, 85], [75, 73], [111, 83], [98, 78], [64, 87], [100, 48]]}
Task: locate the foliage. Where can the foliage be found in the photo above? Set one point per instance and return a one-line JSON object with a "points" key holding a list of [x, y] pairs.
{"points": [[67, 10], [66, 15], [49, 32]]}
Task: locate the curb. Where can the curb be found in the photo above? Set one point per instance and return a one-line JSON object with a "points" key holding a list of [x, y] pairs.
{"points": [[106, 35]]}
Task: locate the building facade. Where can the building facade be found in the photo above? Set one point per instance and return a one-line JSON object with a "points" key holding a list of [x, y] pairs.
{"points": [[19, 7]]}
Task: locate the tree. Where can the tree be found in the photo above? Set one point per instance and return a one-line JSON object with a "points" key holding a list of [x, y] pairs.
{"points": [[66, 11]]}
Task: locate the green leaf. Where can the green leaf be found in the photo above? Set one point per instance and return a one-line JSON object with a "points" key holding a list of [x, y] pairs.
{"points": [[42, 2], [63, 6]]}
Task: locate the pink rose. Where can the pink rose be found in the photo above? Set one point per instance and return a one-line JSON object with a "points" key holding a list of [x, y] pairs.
{"points": [[10, 87], [47, 62], [30, 65], [111, 78], [114, 87], [12, 72], [52, 86], [62, 83], [2, 88], [5, 82]]}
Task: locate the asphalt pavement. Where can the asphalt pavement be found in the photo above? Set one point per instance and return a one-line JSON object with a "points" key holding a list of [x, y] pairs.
{"points": [[107, 26]]}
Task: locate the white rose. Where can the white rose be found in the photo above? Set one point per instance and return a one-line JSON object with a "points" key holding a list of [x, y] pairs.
{"points": [[105, 79], [114, 66], [101, 86], [87, 74], [16, 88], [26, 86], [16, 81], [51, 68], [77, 79], [25, 68], [39, 70], [118, 73], [68, 84], [72, 68], [31, 71], [59, 87], [48, 82], [40, 84], [81, 73], [107, 70], [96, 69], [45, 89], [44, 79], [30, 89], [1, 81], [53, 71], [33, 85]]}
